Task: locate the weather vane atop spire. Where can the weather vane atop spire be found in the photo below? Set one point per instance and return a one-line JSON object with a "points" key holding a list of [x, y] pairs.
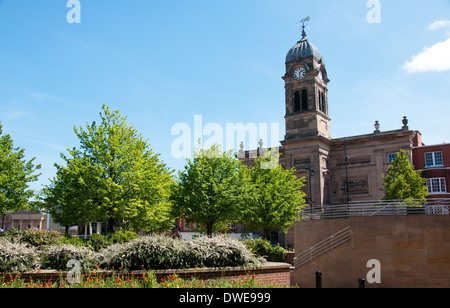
{"points": [[304, 23]]}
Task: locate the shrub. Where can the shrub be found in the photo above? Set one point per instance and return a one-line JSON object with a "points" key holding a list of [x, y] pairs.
{"points": [[75, 241], [160, 252], [223, 251], [35, 238], [98, 242], [56, 257], [155, 252], [17, 257], [40, 238], [263, 248], [122, 236], [151, 252]]}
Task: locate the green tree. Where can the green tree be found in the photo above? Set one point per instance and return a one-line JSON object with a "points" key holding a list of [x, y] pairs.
{"points": [[402, 182], [211, 190], [15, 175], [114, 177], [279, 197], [62, 199]]}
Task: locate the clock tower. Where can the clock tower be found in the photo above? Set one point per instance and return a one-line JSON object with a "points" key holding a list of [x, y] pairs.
{"points": [[307, 143], [306, 92]]}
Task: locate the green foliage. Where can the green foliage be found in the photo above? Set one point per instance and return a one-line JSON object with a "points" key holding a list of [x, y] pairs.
{"points": [[39, 238], [402, 182], [98, 241], [277, 198], [263, 248], [35, 238], [75, 241], [15, 175], [114, 176], [211, 190], [122, 236]]}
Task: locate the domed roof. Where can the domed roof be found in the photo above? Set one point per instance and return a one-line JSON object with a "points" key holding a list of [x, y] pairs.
{"points": [[303, 49]]}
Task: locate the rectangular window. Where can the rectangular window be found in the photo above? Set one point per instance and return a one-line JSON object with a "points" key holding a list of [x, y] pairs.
{"points": [[436, 185], [433, 159], [232, 226], [274, 237], [304, 100], [324, 108], [392, 157], [297, 101]]}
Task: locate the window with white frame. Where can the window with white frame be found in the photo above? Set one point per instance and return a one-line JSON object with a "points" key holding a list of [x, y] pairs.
{"points": [[436, 185], [433, 159]]}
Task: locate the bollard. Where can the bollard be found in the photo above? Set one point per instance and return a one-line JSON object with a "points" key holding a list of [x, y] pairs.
{"points": [[318, 280], [362, 283]]}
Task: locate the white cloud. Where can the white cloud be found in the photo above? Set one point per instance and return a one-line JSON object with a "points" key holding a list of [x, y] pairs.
{"points": [[434, 58], [14, 113], [43, 96], [439, 24]]}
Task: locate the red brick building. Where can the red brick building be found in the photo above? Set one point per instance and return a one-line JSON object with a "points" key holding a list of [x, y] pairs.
{"points": [[434, 163]]}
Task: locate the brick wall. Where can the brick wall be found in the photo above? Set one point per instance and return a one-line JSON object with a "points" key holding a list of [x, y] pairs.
{"points": [[268, 273], [435, 171], [278, 273]]}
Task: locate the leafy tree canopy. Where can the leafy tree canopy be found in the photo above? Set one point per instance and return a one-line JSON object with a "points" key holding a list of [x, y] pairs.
{"points": [[211, 189], [278, 199], [402, 181], [113, 176], [15, 175]]}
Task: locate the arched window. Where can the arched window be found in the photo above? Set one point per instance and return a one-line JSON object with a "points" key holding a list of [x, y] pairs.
{"points": [[297, 101], [320, 101], [324, 108], [304, 100]]}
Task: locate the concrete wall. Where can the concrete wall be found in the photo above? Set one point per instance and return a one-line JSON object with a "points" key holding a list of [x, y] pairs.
{"points": [[414, 251]]}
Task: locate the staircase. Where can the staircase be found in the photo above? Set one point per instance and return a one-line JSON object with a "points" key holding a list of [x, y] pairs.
{"points": [[324, 246]]}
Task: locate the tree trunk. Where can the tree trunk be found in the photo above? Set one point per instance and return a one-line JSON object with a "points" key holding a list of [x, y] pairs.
{"points": [[209, 229], [66, 232], [111, 225]]}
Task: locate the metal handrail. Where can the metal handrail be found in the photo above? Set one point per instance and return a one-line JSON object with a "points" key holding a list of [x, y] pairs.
{"points": [[379, 208], [322, 247]]}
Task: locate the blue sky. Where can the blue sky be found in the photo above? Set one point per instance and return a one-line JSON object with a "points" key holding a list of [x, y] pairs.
{"points": [[162, 62]]}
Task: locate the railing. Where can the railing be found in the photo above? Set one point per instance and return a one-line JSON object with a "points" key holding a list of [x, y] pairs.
{"points": [[324, 246], [379, 208]]}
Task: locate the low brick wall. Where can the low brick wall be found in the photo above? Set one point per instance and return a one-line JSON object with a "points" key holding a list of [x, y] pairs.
{"points": [[278, 273], [268, 273]]}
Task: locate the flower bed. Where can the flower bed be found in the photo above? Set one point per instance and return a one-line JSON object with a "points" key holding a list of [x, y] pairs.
{"points": [[267, 275]]}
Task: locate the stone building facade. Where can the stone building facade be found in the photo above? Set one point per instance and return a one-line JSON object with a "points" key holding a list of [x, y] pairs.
{"points": [[341, 170], [22, 220]]}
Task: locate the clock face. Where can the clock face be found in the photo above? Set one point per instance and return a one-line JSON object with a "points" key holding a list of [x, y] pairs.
{"points": [[299, 73]]}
